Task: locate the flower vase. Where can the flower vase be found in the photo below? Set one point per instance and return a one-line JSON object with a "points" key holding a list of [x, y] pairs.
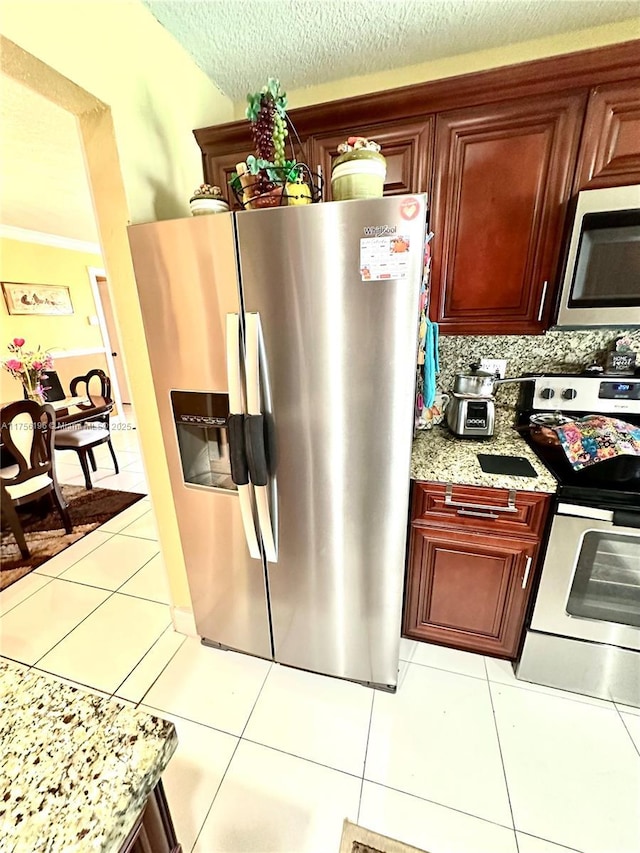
{"points": [[36, 396]]}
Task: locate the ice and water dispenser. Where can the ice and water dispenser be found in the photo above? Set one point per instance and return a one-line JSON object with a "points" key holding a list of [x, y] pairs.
{"points": [[202, 421]]}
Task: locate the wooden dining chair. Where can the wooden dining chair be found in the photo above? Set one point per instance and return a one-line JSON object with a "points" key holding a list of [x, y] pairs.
{"points": [[93, 429], [52, 387], [27, 434]]}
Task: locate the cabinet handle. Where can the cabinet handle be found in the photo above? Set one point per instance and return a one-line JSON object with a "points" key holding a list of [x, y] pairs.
{"points": [[510, 507], [526, 572], [492, 515], [542, 300]]}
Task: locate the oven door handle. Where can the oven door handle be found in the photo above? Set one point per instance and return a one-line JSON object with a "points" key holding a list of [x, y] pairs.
{"points": [[626, 518], [593, 513]]}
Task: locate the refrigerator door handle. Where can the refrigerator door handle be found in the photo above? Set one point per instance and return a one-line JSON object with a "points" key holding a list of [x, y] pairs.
{"points": [[255, 431], [238, 450], [237, 445], [254, 440]]}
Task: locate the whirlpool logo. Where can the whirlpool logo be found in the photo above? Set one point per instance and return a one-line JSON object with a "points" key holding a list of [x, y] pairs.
{"points": [[379, 230]]}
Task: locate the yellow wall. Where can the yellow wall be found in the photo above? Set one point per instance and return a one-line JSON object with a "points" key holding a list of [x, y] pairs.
{"points": [[35, 264], [138, 96], [117, 51], [463, 64]]}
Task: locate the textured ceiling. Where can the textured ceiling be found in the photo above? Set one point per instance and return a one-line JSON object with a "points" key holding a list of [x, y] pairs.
{"points": [[43, 186], [240, 43]]}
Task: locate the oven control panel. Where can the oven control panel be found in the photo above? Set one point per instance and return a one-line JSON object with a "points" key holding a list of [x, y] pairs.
{"points": [[598, 394]]}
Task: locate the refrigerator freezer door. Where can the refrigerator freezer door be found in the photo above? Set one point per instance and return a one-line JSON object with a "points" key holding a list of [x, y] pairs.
{"points": [[340, 343], [186, 274]]}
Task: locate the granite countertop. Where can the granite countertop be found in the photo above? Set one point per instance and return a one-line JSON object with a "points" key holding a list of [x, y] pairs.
{"points": [[440, 457], [75, 768]]}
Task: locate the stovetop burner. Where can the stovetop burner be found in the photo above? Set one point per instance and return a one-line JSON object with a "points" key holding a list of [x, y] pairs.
{"points": [[612, 483]]}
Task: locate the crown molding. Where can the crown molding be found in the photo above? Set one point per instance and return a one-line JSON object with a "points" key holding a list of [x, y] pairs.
{"points": [[25, 236], [564, 72]]}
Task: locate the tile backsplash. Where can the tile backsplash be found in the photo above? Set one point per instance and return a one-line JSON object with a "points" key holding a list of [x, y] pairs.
{"points": [[568, 351]]}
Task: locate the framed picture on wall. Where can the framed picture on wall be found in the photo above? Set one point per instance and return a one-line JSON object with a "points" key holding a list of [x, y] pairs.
{"points": [[37, 298]]}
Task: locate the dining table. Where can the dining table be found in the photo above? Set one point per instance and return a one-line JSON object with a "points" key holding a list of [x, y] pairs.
{"points": [[75, 410]]}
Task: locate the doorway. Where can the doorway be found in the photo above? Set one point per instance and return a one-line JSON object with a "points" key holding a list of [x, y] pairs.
{"points": [[110, 336]]}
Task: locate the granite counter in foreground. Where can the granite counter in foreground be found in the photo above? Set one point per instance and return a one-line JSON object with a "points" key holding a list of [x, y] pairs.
{"points": [[440, 457], [75, 769]]}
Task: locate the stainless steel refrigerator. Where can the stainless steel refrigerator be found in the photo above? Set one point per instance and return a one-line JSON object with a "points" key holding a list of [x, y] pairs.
{"points": [[283, 348]]}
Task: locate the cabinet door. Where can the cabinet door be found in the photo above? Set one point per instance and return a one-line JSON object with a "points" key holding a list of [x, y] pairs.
{"points": [[467, 590], [218, 171], [610, 148], [407, 148], [503, 175]]}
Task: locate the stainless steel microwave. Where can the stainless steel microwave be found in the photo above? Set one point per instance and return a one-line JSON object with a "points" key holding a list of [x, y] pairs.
{"points": [[601, 282]]}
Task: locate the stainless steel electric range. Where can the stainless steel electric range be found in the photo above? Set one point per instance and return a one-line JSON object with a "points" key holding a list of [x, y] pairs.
{"points": [[584, 634]]}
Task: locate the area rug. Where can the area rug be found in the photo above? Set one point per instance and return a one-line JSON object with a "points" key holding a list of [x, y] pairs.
{"points": [[357, 839], [46, 536]]}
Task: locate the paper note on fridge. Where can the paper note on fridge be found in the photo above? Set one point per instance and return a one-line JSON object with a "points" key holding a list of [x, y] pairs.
{"points": [[384, 257]]}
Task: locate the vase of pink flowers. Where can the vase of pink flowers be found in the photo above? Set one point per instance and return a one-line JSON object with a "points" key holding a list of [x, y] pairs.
{"points": [[29, 367]]}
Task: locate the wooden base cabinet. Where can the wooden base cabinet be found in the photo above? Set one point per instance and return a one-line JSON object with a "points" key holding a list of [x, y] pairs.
{"points": [[469, 588], [153, 831]]}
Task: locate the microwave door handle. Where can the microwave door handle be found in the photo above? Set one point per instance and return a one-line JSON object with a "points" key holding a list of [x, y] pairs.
{"points": [[255, 432], [237, 444]]}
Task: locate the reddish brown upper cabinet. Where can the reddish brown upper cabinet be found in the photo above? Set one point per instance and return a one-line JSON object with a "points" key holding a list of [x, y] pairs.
{"points": [[610, 150], [218, 172], [500, 152], [503, 176], [471, 566], [407, 147]]}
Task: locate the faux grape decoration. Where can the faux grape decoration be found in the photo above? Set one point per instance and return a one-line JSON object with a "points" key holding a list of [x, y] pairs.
{"points": [[267, 111], [267, 178]]}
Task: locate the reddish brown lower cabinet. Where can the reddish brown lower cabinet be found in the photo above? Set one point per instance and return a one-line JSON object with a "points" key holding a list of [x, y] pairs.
{"points": [[469, 588], [153, 831]]}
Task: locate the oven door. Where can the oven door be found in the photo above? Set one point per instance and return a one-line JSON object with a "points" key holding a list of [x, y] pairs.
{"points": [[590, 581]]}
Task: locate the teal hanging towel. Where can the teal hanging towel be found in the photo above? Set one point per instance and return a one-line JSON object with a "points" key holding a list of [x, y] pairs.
{"points": [[428, 365]]}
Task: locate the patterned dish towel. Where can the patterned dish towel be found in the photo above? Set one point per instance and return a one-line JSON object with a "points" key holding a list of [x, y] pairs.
{"points": [[596, 438]]}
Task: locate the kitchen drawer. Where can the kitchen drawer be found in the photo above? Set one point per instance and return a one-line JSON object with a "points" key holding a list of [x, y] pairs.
{"points": [[515, 513]]}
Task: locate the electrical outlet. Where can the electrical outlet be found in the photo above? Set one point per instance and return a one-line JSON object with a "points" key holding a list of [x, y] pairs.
{"points": [[491, 365]]}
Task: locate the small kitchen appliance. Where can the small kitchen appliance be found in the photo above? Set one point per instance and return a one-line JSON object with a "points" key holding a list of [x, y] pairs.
{"points": [[471, 410], [584, 634], [601, 285], [470, 415]]}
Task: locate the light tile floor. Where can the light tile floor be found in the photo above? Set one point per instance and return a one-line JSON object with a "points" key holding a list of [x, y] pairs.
{"points": [[463, 759]]}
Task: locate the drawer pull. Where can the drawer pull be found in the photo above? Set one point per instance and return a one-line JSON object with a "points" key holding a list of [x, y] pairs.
{"points": [[526, 573], [510, 507], [492, 515]]}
